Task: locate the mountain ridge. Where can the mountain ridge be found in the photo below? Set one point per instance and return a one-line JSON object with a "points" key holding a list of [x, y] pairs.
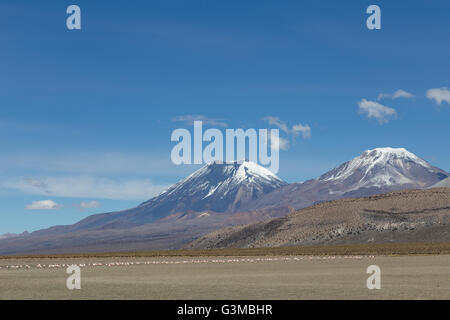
{"points": [[228, 194]]}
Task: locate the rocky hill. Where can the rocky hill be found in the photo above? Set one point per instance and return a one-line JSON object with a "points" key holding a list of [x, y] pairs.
{"points": [[401, 216]]}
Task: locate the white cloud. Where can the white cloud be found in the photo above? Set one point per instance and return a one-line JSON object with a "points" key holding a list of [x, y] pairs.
{"points": [[190, 118], [89, 204], [397, 94], [376, 110], [275, 121], [439, 95], [51, 205], [305, 130], [86, 187], [402, 94], [43, 205], [278, 142], [383, 96]]}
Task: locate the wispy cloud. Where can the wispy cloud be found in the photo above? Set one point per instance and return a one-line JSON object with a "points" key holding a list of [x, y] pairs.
{"points": [[275, 121], [86, 187], [43, 205], [190, 118], [397, 94], [89, 204], [305, 130], [376, 110], [439, 95], [277, 142], [52, 205], [294, 131]]}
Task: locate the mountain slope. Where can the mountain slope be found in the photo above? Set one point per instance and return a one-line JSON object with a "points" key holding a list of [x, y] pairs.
{"points": [[400, 216], [442, 184], [373, 172], [217, 187]]}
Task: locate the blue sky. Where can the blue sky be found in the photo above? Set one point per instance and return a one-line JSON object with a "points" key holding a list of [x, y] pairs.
{"points": [[86, 115]]}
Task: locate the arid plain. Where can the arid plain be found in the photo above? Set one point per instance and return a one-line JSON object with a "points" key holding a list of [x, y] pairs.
{"points": [[228, 277]]}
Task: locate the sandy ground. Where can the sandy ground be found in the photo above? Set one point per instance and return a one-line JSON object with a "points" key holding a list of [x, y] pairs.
{"points": [[335, 277]]}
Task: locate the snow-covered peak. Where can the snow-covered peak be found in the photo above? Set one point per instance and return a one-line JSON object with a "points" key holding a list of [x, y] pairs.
{"points": [[387, 153], [247, 170], [380, 167], [237, 171], [220, 186]]}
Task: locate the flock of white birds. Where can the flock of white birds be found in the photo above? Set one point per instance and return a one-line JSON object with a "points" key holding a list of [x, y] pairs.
{"points": [[174, 262]]}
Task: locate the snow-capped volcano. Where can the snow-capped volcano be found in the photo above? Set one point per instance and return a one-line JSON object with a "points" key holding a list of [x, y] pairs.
{"points": [[384, 168], [225, 194], [219, 187], [373, 172], [205, 200]]}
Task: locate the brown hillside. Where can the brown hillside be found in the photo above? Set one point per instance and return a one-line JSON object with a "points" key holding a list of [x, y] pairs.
{"points": [[401, 216]]}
